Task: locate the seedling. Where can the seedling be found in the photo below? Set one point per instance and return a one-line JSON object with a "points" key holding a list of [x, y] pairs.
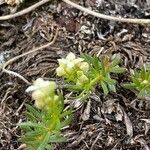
{"points": [[100, 71], [140, 81], [43, 126]]}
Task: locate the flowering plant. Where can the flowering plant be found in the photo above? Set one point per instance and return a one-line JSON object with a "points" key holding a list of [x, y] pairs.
{"points": [[86, 72], [45, 122], [43, 126]]}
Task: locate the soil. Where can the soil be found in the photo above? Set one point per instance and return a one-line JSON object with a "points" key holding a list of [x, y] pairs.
{"points": [[119, 121]]}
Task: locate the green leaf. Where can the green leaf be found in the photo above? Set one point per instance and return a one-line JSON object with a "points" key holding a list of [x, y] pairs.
{"points": [[92, 60], [49, 147], [129, 86], [143, 93], [32, 136], [110, 81], [112, 88], [31, 117], [66, 113], [115, 61], [104, 87], [73, 87], [30, 124], [66, 121], [61, 99], [44, 142], [117, 69], [87, 58], [57, 138], [33, 111]]}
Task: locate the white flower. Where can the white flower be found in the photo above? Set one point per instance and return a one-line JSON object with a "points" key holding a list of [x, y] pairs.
{"points": [[70, 67], [60, 71], [71, 56], [70, 64], [39, 104], [84, 66], [42, 85], [42, 92], [62, 62], [38, 95], [77, 61]]}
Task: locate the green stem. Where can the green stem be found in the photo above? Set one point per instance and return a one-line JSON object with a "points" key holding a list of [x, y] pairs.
{"points": [[94, 81]]}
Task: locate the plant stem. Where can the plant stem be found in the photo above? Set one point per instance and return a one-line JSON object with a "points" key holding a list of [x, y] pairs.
{"points": [[94, 81]]}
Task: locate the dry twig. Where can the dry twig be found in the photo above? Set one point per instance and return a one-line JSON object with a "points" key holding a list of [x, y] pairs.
{"points": [[86, 10], [24, 54], [24, 11]]}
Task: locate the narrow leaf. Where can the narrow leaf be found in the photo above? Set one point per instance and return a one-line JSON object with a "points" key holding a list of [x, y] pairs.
{"points": [[104, 87], [44, 142]]}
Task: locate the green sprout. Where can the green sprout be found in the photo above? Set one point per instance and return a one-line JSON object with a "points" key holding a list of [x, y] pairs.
{"points": [[83, 74], [140, 81], [101, 70], [44, 125]]}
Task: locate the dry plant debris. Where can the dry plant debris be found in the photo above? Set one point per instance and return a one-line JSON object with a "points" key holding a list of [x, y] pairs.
{"points": [[13, 2]]}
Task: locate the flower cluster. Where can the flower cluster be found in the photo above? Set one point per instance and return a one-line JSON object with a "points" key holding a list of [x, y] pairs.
{"points": [[43, 127], [73, 69], [43, 92]]}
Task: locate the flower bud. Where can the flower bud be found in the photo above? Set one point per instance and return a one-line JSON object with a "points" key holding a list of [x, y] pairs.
{"points": [[77, 61], [144, 82], [62, 62], [84, 66], [70, 67], [38, 95], [39, 104], [60, 71], [42, 92], [82, 79]]}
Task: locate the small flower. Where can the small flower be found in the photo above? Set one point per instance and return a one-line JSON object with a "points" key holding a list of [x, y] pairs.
{"points": [[39, 104], [82, 79], [84, 66], [38, 95], [70, 65], [46, 87], [77, 61], [60, 71], [71, 56], [42, 92]]}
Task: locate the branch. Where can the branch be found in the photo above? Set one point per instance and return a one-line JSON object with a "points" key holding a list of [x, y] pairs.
{"points": [[24, 11], [24, 54], [99, 15], [79, 7]]}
